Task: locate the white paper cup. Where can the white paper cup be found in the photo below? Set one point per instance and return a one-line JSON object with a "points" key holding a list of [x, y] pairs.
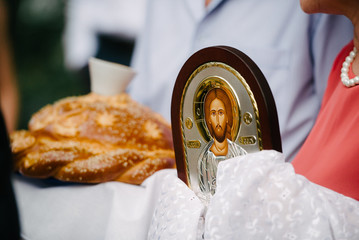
{"points": [[108, 78]]}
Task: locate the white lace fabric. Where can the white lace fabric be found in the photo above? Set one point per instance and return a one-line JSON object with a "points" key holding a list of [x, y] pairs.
{"points": [[258, 196], [178, 213]]}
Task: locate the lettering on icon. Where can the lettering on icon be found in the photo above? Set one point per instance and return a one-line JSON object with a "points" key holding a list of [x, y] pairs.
{"points": [[247, 118], [247, 140], [189, 123], [193, 144], [198, 112]]}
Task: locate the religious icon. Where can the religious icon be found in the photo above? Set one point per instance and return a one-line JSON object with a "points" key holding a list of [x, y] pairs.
{"points": [[219, 121], [222, 108]]}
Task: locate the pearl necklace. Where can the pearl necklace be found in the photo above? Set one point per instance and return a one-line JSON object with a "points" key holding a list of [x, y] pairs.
{"points": [[345, 69]]}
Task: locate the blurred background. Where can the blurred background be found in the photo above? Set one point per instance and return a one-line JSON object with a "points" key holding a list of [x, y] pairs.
{"points": [[36, 29], [52, 41]]}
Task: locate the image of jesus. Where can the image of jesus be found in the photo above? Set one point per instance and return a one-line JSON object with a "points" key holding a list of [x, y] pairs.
{"points": [[219, 120]]}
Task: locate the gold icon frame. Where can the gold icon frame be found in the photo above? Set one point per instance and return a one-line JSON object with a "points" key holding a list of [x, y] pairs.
{"points": [[256, 124]]}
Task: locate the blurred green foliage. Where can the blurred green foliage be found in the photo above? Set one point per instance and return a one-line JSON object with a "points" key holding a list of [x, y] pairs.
{"points": [[37, 28]]}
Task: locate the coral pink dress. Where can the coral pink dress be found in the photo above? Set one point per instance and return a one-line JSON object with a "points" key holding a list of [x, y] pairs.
{"points": [[330, 155]]}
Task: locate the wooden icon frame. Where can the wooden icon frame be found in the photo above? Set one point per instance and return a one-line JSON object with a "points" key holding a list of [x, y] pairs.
{"points": [[255, 122]]}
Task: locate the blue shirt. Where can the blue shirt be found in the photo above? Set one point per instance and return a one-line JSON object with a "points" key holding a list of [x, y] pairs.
{"points": [[294, 50]]}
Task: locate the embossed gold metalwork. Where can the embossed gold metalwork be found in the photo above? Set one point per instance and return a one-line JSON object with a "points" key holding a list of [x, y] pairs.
{"points": [[189, 123], [247, 118], [247, 140], [209, 82], [193, 144]]}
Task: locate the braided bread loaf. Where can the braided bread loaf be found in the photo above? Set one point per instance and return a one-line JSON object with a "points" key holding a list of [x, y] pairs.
{"points": [[94, 138]]}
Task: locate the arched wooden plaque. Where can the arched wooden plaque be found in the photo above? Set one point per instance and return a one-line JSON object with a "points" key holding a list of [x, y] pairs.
{"points": [[222, 107]]}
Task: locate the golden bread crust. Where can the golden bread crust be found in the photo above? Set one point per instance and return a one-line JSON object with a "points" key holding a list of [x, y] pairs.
{"points": [[94, 138]]}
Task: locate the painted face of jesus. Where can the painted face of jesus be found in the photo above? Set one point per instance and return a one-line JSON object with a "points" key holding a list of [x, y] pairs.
{"points": [[218, 119]]}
